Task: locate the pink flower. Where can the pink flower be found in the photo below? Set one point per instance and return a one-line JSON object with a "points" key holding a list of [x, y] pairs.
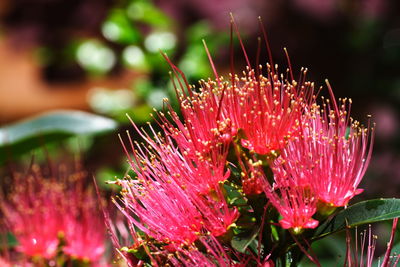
{"points": [[295, 203], [216, 255], [363, 252], [197, 174], [164, 203], [4, 263], [35, 202], [331, 156], [267, 110], [43, 210], [84, 226], [206, 129], [161, 210]]}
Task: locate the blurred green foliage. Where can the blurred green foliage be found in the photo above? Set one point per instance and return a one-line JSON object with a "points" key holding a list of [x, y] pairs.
{"points": [[25, 136], [134, 34]]}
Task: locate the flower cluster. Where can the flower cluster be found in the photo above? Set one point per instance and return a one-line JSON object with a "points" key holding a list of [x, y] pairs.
{"points": [[289, 157], [54, 215]]}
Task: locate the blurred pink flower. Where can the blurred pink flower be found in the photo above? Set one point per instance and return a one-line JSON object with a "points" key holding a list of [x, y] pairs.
{"points": [[388, 125], [44, 209], [84, 226], [373, 8], [35, 202], [4, 263]]}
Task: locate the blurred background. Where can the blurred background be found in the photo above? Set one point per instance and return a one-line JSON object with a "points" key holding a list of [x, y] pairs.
{"points": [[102, 57]]}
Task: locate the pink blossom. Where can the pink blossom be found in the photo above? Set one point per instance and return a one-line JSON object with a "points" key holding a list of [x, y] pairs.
{"points": [[362, 254], [216, 255], [199, 174], [35, 202], [160, 205], [267, 110], [331, 156], [4, 263], [44, 209], [84, 227], [295, 203], [206, 129]]}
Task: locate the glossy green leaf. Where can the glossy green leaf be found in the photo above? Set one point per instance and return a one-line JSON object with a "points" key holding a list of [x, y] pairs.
{"points": [[365, 212], [243, 240], [21, 137]]}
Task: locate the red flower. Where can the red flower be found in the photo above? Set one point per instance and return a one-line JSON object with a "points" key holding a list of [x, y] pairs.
{"points": [[331, 156], [267, 110], [35, 203], [163, 201], [84, 227], [296, 204], [43, 210]]}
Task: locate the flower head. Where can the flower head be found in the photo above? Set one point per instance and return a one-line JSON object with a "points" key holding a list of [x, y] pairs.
{"points": [[295, 203], [44, 210], [206, 128], [267, 110], [164, 207], [331, 155], [84, 227], [35, 202]]}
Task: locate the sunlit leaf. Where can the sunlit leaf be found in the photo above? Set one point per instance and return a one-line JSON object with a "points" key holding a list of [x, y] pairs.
{"points": [[95, 57], [21, 137], [118, 28], [146, 12], [365, 212]]}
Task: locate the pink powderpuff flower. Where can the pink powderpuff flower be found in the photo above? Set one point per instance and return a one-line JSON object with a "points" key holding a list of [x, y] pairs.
{"points": [[331, 156], [295, 203], [44, 209], [33, 203], [160, 206], [267, 110], [84, 226], [197, 174], [206, 128], [161, 210], [124, 238]]}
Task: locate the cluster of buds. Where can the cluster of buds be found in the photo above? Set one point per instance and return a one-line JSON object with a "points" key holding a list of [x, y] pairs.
{"points": [[55, 219]]}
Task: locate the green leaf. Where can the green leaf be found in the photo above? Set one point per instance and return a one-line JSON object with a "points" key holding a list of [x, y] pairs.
{"points": [[241, 241], [8, 240], [365, 212], [148, 13], [95, 57], [21, 137], [118, 28]]}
